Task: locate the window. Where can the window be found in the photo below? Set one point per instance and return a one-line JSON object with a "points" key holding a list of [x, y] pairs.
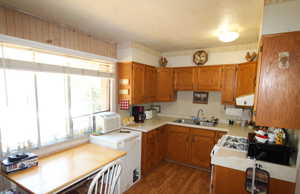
{"points": [[52, 107], [89, 95], [18, 113], [41, 106]]}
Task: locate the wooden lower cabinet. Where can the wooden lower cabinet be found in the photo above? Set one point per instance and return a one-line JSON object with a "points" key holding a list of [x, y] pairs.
{"points": [[201, 147], [229, 181], [153, 149], [177, 143], [218, 136], [190, 145]]}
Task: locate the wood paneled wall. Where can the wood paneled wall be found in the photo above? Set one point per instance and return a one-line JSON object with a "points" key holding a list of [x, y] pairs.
{"points": [[14, 23]]}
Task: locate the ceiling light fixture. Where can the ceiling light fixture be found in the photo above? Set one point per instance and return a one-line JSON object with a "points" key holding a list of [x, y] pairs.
{"points": [[227, 36]]}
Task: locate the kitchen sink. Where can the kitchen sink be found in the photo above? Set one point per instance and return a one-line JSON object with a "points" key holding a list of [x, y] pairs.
{"points": [[209, 123], [185, 121]]}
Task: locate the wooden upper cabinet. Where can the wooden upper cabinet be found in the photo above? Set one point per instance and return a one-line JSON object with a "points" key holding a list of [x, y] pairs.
{"points": [[278, 99], [177, 143], [228, 84], [138, 79], [125, 81], [184, 78], [208, 78], [150, 84], [137, 82], [165, 85], [246, 77]]}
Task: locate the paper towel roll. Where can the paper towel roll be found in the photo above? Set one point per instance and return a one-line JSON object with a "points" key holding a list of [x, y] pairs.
{"points": [[234, 112]]}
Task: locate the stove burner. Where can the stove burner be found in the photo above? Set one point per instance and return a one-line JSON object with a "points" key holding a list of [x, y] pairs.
{"points": [[235, 143]]}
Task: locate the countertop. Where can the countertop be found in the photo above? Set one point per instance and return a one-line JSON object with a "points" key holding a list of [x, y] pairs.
{"points": [[159, 121], [224, 157], [61, 169]]}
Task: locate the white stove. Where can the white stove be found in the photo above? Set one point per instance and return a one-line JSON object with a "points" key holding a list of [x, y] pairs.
{"points": [[234, 143]]}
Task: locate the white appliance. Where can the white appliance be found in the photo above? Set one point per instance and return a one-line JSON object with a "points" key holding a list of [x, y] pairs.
{"points": [[124, 140], [247, 100], [149, 114], [229, 142], [106, 122]]}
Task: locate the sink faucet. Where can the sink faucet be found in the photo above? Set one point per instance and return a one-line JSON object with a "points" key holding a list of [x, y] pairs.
{"points": [[202, 113]]}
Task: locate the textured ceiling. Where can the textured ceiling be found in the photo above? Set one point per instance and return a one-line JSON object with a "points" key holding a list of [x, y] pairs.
{"points": [[164, 25]]}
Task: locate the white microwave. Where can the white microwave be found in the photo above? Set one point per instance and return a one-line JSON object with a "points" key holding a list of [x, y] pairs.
{"points": [[106, 122]]}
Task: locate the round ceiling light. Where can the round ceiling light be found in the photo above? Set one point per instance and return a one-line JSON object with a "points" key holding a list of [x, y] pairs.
{"points": [[227, 36]]}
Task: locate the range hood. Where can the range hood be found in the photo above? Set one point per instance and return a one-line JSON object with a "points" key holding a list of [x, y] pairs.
{"points": [[246, 100]]}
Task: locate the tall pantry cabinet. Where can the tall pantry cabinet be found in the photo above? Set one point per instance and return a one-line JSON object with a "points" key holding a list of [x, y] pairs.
{"points": [[278, 93]]}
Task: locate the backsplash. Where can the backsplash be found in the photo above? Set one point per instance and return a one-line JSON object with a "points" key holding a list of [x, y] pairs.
{"points": [[184, 107]]}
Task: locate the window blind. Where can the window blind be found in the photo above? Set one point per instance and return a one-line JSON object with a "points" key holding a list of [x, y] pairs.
{"points": [[26, 58]]}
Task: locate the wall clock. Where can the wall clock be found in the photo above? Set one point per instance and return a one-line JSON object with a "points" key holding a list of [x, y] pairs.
{"points": [[200, 57]]}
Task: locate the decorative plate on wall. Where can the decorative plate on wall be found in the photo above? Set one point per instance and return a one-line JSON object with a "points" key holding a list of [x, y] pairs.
{"points": [[200, 57]]}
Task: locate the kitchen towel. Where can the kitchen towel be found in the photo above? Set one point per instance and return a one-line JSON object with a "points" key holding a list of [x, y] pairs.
{"points": [[124, 104]]}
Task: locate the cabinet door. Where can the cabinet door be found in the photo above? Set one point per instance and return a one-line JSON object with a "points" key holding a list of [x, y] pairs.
{"points": [[209, 78], [177, 144], [228, 84], [165, 85], [229, 181], [148, 151], [150, 86], [202, 142], [278, 100], [125, 81], [162, 138], [246, 76], [138, 78], [184, 78]]}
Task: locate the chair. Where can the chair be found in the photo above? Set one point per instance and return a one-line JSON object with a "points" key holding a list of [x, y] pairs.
{"points": [[106, 180]]}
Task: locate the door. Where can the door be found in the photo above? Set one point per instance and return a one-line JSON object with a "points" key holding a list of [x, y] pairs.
{"points": [[150, 86], [246, 76], [138, 77], [184, 78], [278, 100], [177, 143], [228, 84], [209, 78], [165, 85]]}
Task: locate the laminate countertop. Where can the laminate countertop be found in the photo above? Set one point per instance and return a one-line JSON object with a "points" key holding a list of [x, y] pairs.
{"points": [[159, 121], [224, 157], [61, 169]]}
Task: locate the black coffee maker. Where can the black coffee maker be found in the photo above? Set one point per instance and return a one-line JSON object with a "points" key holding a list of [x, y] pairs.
{"points": [[138, 114]]}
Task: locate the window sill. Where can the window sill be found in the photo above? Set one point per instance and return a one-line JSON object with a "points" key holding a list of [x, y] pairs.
{"points": [[50, 149]]}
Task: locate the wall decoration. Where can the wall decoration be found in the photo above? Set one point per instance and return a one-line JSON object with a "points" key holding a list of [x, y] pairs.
{"points": [[163, 61], [200, 97], [283, 60], [250, 57], [200, 57]]}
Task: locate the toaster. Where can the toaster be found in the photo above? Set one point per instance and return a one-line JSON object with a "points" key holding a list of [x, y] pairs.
{"points": [[106, 122]]}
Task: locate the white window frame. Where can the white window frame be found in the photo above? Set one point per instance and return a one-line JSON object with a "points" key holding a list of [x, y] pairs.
{"points": [[48, 149]]}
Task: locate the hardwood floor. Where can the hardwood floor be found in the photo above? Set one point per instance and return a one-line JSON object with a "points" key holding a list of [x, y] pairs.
{"points": [[170, 178]]}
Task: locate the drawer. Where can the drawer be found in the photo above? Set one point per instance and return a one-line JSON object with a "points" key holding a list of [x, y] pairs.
{"points": [[178, 129], [203, 132]]}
